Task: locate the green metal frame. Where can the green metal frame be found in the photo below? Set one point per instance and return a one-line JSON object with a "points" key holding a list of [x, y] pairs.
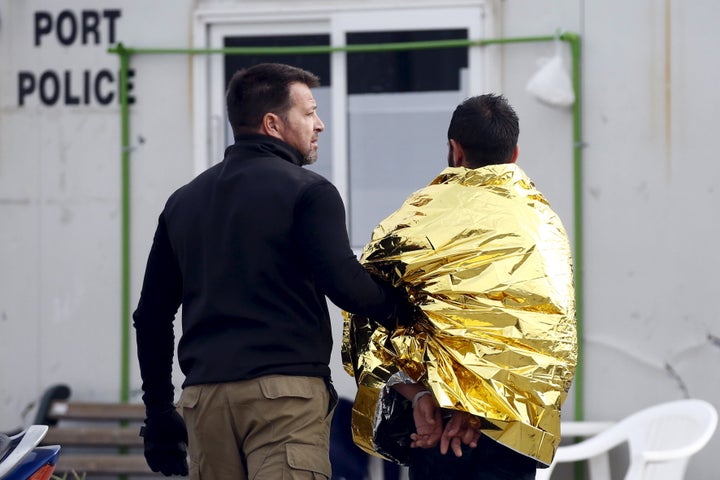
{"points": [[125, 53]]}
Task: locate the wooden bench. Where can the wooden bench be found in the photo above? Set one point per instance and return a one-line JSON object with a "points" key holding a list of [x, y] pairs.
{"points": [[96, 438]]}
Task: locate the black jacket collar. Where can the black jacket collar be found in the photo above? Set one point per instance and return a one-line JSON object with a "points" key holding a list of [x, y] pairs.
{"points": [[264, 144]]}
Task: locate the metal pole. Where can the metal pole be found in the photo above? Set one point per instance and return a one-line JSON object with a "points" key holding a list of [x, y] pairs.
{"points": [[125, 219]]}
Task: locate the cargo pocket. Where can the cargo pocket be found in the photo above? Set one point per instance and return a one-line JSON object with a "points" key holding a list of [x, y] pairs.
{"points": [[279, 387], [189, 397], [307, 462], [187, 404]]}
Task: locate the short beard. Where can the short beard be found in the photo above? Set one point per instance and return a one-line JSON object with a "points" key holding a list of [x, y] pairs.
{"points": [[310, 158]]}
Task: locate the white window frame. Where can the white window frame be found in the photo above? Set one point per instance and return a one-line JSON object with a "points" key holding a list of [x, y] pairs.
{"points": [[215, 20]]}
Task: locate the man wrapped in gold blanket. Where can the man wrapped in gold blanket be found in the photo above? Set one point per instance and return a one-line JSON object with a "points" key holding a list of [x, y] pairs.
{"points": [[486, 362]]}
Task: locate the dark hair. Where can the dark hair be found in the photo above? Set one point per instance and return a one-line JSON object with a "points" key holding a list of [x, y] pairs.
{"points": [[487, 128], [261, 89]]}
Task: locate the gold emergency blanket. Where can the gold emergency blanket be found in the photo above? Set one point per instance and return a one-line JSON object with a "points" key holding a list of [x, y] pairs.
{"points": [[489, 265]]}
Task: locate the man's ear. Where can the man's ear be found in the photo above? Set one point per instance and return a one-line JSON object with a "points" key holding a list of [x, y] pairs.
{"points": [[457, 154], [515, 154], [271, 125]]}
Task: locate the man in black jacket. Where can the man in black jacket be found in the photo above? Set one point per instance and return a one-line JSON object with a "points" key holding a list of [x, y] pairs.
{"points": [[250, 249]]}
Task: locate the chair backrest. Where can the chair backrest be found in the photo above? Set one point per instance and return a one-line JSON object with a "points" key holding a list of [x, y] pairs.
{"points": [[661, 440], [664, 437]]}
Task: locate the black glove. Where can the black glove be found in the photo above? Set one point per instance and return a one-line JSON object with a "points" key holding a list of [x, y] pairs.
{"points": [[166, 441], [404, 313]]}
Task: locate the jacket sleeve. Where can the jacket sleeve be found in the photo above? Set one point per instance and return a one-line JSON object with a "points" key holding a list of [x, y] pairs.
{"points": [[153, 319], [324, 239]]}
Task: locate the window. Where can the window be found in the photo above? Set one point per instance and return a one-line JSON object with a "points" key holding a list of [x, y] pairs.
{"points": [[386, 113]]}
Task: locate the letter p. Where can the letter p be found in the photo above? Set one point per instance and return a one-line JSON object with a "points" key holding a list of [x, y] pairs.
{"points": [[43, 25]]}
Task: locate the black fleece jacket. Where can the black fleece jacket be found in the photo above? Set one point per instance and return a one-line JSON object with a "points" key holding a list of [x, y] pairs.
{"points": [[249, 248]]}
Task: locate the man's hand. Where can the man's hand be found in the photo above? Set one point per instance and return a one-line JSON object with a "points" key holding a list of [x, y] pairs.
{"points": [[166, 441], [428, 422], [462, 428]]}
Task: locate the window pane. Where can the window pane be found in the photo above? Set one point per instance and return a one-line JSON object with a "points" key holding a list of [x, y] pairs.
{"points": [[319, 64], [398, 115], [405, 71]]}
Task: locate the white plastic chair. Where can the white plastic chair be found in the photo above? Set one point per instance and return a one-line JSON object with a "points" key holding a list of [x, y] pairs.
{"points": [[661, 440]]}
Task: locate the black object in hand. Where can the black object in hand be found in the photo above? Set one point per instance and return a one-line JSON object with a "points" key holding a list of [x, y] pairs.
{"points": [[166, 441], [406, 313]]}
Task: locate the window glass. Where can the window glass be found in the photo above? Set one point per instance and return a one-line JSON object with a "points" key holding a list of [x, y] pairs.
{"points": [[405, 70], [399, 108], [319, 64]]}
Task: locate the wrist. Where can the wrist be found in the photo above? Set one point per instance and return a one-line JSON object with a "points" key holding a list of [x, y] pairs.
{"points": [[419, 395]]}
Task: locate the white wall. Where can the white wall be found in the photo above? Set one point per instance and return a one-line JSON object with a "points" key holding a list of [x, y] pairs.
{"points": [[652, 218], [60, 185], [650, 193]]}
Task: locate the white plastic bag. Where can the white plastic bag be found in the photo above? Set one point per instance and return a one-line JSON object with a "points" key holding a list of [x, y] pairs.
{"points": [[551, 84]]}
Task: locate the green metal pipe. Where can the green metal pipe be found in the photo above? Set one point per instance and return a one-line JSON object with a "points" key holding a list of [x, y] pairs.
{"points": [[306, 49], [578, 145], [571, 38], [578, 238], [125, 219], [318, 49]]}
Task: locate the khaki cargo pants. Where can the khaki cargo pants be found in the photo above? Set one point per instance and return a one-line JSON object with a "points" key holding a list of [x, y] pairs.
{"points": [[269, 428]]}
